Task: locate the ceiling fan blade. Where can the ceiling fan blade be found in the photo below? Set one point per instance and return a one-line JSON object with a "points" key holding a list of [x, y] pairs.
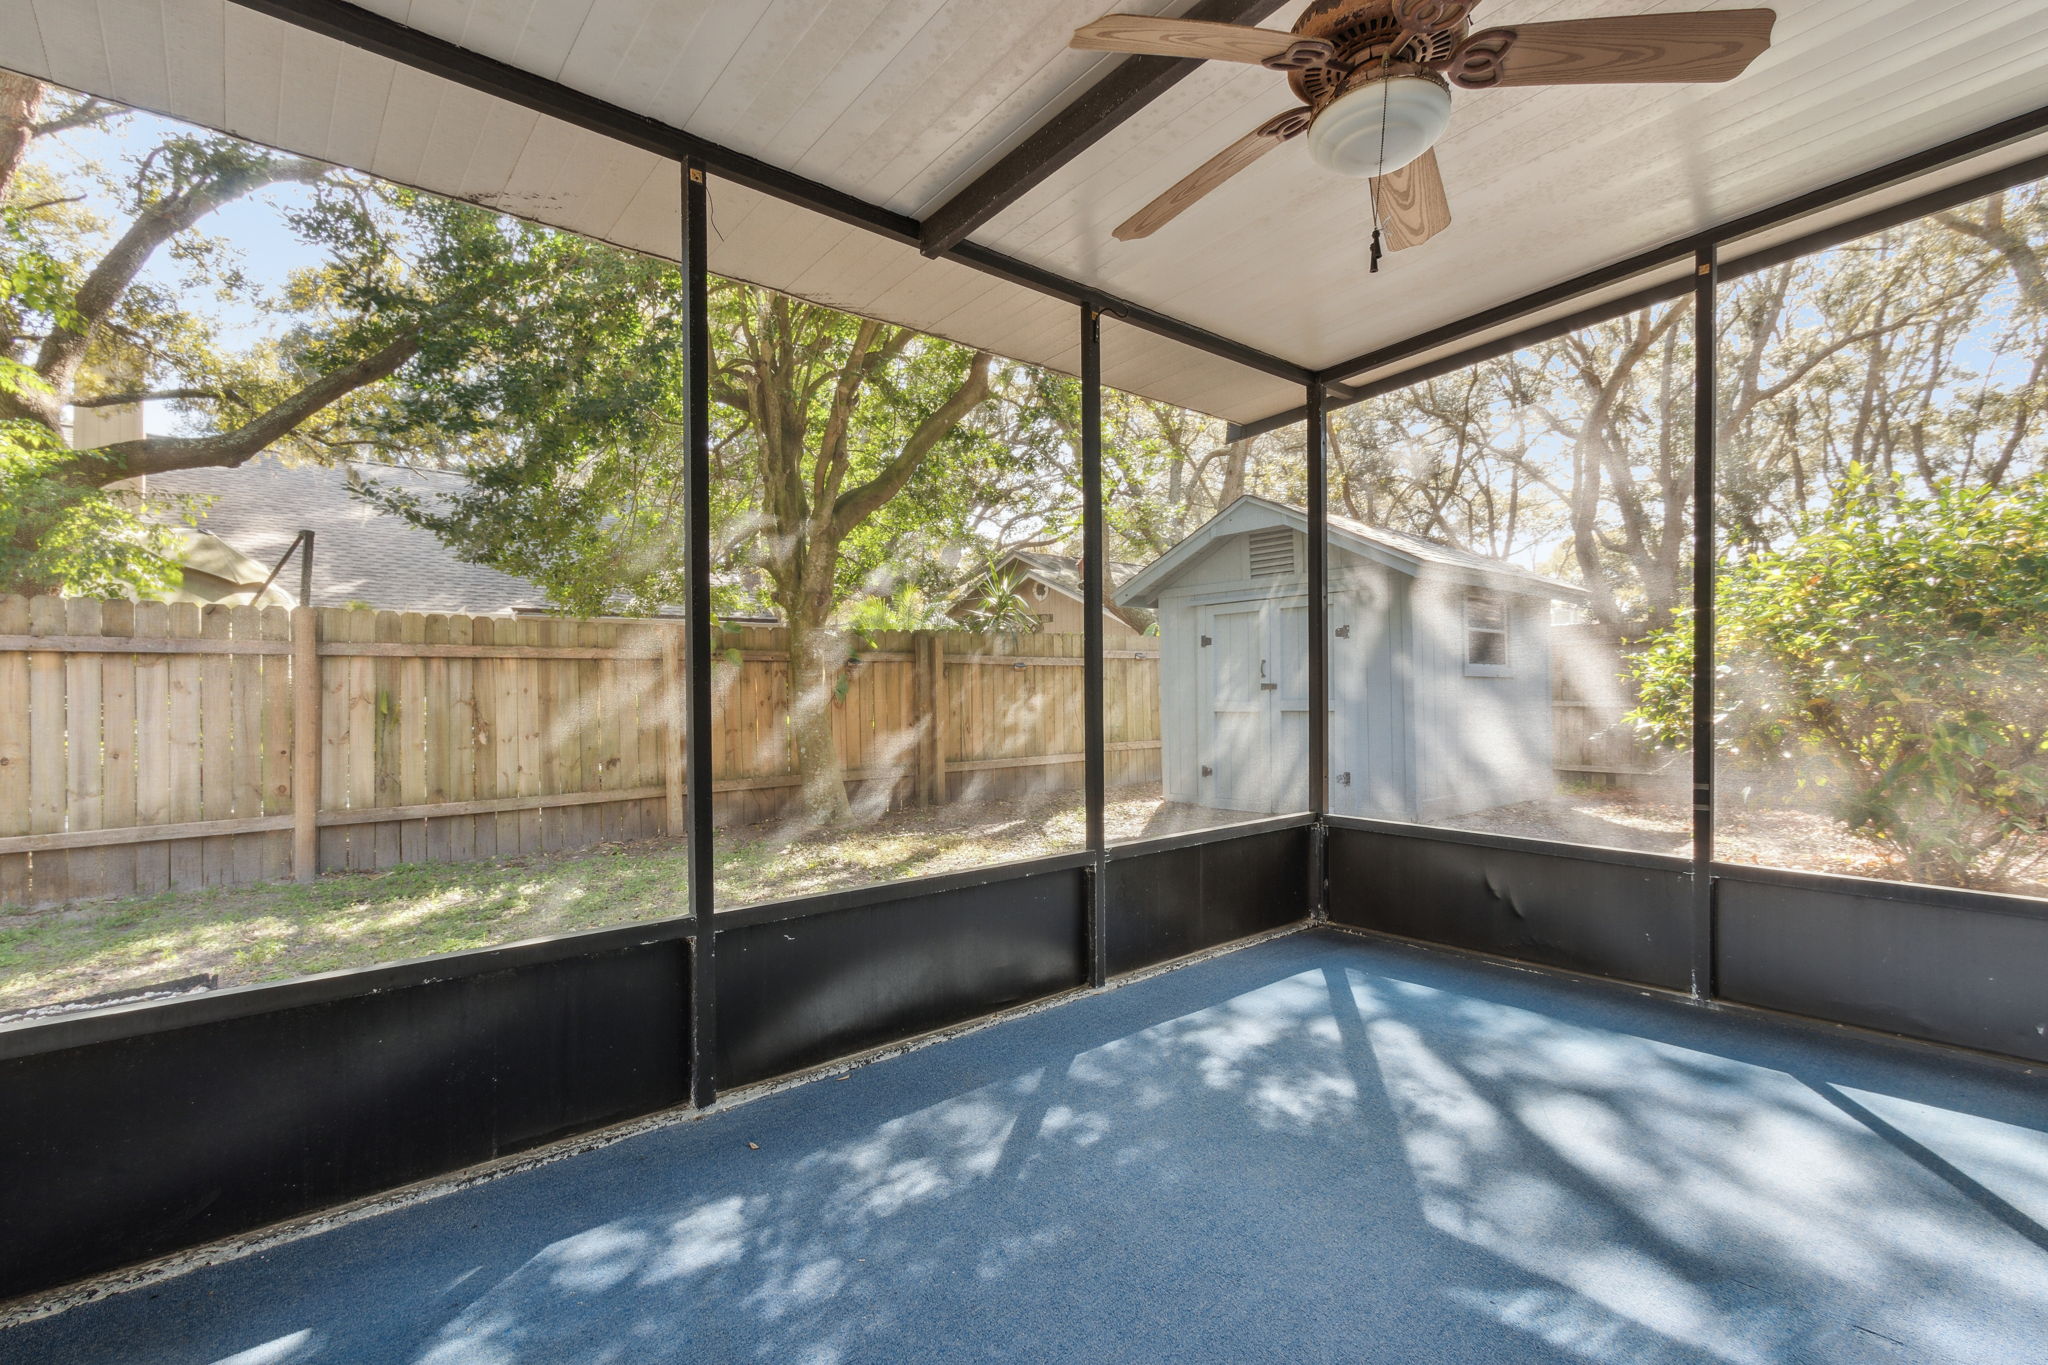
{"points": [[1212, 173], [1708, 45], [1413, 208], [1270, 47]]}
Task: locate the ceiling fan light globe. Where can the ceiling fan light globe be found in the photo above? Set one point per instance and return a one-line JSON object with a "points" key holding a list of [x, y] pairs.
{"points": [[1346, 137]]}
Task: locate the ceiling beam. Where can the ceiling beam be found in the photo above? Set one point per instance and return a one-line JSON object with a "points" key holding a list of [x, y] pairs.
{"points": [[372, 32], [1129, 86]]}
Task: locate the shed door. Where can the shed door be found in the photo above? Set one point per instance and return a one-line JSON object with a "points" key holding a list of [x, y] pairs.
{"points": [[1234, 724], [1254, 742]]}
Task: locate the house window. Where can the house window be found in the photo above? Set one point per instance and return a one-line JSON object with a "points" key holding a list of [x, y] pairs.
{"points": [[1486, 635]]}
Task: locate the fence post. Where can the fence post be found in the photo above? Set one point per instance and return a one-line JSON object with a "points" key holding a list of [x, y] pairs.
{"points": [[922, 645], [936, 679], [305, 743], [673, 775]]}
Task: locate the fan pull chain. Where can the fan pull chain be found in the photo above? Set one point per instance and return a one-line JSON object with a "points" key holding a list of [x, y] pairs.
{"points": [[1374, 266]]}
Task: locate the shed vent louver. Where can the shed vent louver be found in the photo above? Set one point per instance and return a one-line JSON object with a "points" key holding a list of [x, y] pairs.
{"points": [[1272, 552]]}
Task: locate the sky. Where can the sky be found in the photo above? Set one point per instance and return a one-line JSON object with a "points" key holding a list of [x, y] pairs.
{"points": [[254, 227]]}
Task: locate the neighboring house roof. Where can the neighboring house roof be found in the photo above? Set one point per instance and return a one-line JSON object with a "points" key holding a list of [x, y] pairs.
{"points": [[1396, 549], [212, 555], [360, 554], [1062, 573]]}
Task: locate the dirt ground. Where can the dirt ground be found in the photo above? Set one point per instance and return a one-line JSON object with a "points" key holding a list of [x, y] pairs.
{"points": [[248, 934], [1766, 836]]}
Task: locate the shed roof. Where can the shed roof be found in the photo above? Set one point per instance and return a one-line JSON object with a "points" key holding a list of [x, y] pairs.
{"points": [[1399, 550], [360, 554], [835, 130]]}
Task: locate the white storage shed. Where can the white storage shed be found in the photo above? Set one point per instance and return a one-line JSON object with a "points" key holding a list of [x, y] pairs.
{"points": [[1439, 669]]}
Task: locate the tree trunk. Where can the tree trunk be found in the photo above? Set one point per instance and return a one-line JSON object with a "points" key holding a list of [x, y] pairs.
{"points": [[21, 98], [1235, 456], [817, 667]]}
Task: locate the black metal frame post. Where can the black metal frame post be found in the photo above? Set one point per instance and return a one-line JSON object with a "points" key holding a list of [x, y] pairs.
{"points": [[1093, 576], [697, 630], [1318, 639], [1705, 281]]}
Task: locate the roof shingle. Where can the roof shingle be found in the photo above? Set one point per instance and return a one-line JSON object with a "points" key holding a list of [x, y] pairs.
{"points": [[360, 553]]}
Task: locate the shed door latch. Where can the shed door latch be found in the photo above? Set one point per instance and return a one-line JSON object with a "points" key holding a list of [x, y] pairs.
{"points": [[1343, 632], [1343, 779], [1206, 642], [1208, 771]]}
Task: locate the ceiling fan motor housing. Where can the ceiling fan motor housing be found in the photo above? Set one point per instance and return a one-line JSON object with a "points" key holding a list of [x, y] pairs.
{"points": [[1380, 125]]}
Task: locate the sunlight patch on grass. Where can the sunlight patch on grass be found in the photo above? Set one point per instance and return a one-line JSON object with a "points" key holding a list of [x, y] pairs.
{"points": [[274, 931]]}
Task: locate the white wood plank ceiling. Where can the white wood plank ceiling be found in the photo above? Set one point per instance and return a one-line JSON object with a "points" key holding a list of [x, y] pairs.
{"points": [[900, 102]]}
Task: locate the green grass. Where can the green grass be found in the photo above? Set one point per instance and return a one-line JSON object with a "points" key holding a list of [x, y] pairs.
{"points": [[273, 931], [263, 933]]}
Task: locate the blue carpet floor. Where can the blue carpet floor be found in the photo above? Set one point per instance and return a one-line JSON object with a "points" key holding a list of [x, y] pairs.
{"points": [[1315, 1149]]}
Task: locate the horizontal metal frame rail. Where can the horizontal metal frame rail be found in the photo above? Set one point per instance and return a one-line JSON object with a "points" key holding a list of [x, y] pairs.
{"points": [[1663, 291], [1898, 1044], [1870, 888], [1168, 843], [360, 28], [33, 1037], [1516, 843], [938, 884]]}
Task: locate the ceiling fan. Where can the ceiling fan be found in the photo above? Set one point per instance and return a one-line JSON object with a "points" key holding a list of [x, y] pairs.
{"points": [[1374, 78]]}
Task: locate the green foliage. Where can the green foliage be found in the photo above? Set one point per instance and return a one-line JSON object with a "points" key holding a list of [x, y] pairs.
{"points": [[566, 415], [993, 606], [59, 532], [559, 402], [33, 288], [909, 607], [1890, 657]]}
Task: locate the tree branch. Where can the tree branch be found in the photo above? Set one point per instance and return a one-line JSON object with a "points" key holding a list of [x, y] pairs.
{"points": [[158, 454], [91, 112], [858, 504], [63, 351], [115, 400]]}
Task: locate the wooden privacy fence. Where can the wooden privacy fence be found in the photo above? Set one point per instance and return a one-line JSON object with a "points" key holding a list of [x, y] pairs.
{"points": [[1590, 698], [146, 746]]}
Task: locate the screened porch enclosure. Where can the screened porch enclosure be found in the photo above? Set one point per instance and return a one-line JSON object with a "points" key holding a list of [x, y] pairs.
{"points": [[1529, 840]]}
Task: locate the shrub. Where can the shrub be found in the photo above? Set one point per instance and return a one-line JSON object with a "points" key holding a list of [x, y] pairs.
{"points": [[1893, 654]]}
